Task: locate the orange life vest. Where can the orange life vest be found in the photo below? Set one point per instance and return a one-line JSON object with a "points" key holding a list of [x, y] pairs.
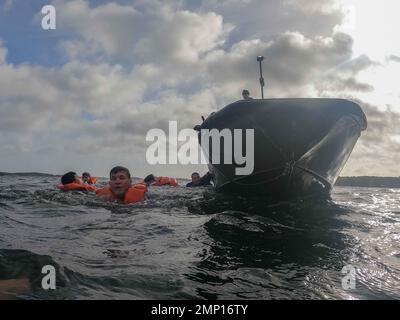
{"points": [[76, 186], [134, 194], [92, 180], [165, 181]]}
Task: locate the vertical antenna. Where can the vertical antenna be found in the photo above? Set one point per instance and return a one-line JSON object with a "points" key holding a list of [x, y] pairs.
{"points": [[260, 59]]}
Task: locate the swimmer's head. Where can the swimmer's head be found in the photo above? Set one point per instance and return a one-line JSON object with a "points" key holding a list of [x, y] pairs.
{"points": [[195, 177], [120, 181], [86, 177], [70, 177], [149, 179], [245, 94], [117, 169]]}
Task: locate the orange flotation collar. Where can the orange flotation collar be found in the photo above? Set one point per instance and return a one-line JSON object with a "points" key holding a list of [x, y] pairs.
{"points": [[92, 180], [134, 194], [76, 186], [165, 181]]}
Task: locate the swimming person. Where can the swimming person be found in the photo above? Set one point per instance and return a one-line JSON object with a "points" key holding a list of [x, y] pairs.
{"points": [[71, 181], [160, 181], [204, 181], [121, 189], [246, 95], [87, 178]]}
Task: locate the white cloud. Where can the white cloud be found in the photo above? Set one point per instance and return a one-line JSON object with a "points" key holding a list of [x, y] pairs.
{"points": [[393, 58], [114, 31], [181, 37], [3, 53], [377, 151], [8, 4], [110, 28], [265, 19], [294, 64]]}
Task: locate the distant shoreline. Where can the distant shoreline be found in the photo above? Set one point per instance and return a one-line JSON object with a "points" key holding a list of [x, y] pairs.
{"points": [[29, 174], [369, 181], [359, 181]]}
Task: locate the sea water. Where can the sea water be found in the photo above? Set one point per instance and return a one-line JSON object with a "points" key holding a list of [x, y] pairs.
{"points": [[196, 243]]}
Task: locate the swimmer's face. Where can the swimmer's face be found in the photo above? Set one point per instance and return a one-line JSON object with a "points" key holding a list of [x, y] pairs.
{"points": [[78, 179], [120, 183], [195, 177], [86, 178]]}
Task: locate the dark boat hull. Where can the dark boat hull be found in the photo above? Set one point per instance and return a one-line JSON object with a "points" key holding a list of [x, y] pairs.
{"points": [[300, 145]]}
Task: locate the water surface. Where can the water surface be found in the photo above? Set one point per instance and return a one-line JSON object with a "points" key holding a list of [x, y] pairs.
{"points": [[188, 243]]}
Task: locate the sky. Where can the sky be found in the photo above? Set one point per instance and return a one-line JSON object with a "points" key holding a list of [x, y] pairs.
{"points": [[83, 96]]}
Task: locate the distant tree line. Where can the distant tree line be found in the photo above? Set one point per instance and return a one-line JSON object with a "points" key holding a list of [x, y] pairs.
{"points": [[361, 181], [27, 174], [367, 181]]}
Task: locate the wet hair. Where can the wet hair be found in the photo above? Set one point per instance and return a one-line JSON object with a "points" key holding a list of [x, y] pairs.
{"points": [[69, 177], [246, 92], [150, 178], [117, 169], [86, 174]]}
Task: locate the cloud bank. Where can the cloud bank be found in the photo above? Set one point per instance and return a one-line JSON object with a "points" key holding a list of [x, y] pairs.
{"points": [[133, 66]]}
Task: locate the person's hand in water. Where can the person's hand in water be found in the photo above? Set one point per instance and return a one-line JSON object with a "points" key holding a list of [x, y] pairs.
{"points": [[10, 289]]}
